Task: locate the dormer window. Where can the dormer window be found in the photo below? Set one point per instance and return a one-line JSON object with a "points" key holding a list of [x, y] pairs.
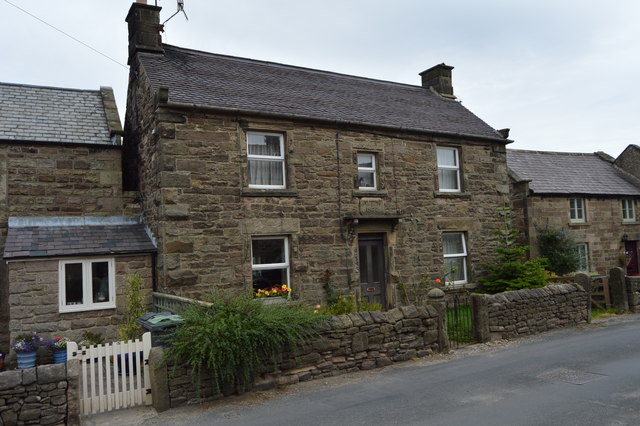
{"points": [[265, 155]]}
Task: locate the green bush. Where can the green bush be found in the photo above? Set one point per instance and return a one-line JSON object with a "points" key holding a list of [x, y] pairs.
{"points": [[236, 337], [512, 270], [559, 248], [134, 309]]}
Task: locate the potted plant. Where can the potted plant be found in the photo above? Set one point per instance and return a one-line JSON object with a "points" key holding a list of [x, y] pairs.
{"points": [[59, 347], [26, 348]]}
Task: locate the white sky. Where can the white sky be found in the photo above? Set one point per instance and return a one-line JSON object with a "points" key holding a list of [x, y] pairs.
{"points": [[563, 75]]}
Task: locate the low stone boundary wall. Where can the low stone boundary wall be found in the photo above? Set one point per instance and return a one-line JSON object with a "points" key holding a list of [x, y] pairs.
{"points": [[525, 312], [36, 396], [359, 341], [633, 293]]}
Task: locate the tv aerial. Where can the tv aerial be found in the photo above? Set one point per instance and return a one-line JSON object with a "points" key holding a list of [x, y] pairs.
{"points": [[180, 9]]}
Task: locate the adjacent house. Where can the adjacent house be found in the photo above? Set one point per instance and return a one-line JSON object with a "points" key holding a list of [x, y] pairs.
{"points": [[253, 174], [589, 195], [68, 233]]}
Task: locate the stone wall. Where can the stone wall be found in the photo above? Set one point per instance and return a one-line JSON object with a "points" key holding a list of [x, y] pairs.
{"points": [[633, 293], [37, 396], [359, 341], [525, 312], [34, 305], [194, 192], [602, 231]]}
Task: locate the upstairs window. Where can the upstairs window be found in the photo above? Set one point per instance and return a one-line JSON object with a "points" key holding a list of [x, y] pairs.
{"points": [[265, 155], [367, 172], [628, 210], [576, 210], [448, 169], [86, 285], [455, 257], [270, 262]]}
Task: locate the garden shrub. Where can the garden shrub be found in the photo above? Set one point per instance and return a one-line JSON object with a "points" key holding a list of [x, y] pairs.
{"points": [[559, 248], [235, 337], [512, 270]]}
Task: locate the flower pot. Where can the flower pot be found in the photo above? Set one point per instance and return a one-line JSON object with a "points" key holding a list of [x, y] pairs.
{"points": [[59, 356], [26, 359]]}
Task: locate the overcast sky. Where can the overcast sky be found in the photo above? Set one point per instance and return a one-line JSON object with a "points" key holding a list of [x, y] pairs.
{"points": [[563, 75]]}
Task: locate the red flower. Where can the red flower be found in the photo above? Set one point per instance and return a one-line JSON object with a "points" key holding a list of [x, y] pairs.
{"points": [[438, 281]]}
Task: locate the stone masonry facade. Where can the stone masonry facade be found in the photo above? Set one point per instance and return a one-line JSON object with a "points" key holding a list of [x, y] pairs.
{"points": [[196, 200], [358, 341], [603, 229]]}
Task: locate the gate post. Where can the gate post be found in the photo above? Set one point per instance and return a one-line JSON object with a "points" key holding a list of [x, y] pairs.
{"points": [[618, 289], [73, 390], [435, 298], [480, 317], [584, 280], [159, 380]]}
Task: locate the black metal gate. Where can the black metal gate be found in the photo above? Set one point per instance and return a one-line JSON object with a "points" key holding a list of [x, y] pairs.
{"points": [[460, 320]]}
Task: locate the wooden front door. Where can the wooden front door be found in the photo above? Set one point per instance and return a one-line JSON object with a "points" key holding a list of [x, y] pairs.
{"points": [[372, 268], [631, 247]]}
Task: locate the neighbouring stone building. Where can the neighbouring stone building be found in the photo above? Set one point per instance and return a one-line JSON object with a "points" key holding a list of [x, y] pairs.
{"points": [[590, 195], [253, 174], [68, 232]]}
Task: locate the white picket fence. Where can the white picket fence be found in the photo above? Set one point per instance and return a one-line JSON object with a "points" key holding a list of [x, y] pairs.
{"points": [[112, 376]]}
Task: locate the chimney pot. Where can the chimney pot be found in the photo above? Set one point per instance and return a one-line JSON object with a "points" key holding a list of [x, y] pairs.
{"points": [[438, 78]]}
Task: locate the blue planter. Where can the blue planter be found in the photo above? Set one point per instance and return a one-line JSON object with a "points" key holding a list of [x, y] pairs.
{"points": [[26, 360], [59, 356], [125, 368]]}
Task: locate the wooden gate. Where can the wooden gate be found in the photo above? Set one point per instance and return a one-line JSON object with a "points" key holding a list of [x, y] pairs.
{"points": [[112, 376]]}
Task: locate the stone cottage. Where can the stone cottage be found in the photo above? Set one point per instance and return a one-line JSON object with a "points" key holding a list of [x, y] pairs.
{"points": [[587, 194], [253, 174], [68, 233]]}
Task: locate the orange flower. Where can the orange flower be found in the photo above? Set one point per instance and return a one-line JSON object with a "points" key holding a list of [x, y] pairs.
{"points": [[438, 281]]}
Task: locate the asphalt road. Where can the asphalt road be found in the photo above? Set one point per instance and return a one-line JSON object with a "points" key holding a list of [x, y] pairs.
{"points": [[584, 376]]}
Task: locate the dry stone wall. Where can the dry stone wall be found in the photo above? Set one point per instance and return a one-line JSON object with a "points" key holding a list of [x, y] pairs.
{"points": [[525, 312], [35, 396], [359, 341]]}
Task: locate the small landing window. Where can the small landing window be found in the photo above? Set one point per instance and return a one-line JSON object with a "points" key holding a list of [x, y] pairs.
{"points": [[448, 169], [576, 210], [455, 257], [265, 155], [367, 172], [628, 210], [86, 285]]}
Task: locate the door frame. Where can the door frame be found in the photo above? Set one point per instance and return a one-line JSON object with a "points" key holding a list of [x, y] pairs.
{"points": [[382, 238]]}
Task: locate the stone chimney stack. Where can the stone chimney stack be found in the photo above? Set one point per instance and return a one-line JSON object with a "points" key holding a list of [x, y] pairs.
{"points": [[438, 78], [144, 29]]}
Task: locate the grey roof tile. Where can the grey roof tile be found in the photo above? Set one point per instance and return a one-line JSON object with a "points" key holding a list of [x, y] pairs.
{"points": [[47, 241], [49, 114], [571, 173], [245, 85]]}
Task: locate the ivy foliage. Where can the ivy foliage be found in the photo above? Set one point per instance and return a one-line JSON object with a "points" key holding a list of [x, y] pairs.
{"points": [[235, 337], [512, 270], [559, 248]]}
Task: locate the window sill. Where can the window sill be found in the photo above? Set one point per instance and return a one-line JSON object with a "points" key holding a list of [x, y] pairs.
{"points": [[459, 195], [269, 193], [69, 309], [629, 222], [577, 224], [365, 193]]}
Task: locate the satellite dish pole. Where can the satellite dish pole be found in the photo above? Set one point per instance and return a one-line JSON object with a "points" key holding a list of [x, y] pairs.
{"points": [[180, 9]]}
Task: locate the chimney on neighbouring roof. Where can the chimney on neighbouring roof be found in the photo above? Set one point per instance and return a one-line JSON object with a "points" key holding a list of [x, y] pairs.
{"points": [[144, 29], [439, 79]]}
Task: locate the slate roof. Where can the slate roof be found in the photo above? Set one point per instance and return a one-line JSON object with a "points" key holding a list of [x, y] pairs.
{"points": [[570, 173], [251, 86], [56, 237], [49, 114]]}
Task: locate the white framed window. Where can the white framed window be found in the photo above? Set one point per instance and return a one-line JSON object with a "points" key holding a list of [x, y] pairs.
{"points": [[265, 155], [448, 169], [628, 210], [367, 172], [576, 210], [583, 257], [455, 257], [87, 285], [269, 262]]}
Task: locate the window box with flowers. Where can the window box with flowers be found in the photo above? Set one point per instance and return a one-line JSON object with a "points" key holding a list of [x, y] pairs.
{"points": [[274, 295], [26, 348]]}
